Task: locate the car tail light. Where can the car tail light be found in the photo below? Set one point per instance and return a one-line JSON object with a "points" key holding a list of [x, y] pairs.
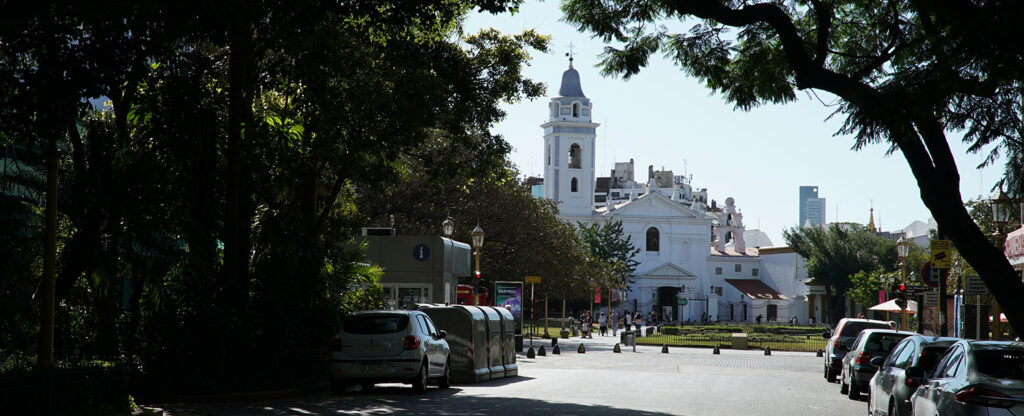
{"points": [[411, 342], [864, 358], [835, 344], [336, 343], [984, 397]]}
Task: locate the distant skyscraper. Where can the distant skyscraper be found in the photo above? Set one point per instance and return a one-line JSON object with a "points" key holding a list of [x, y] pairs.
{"points": [[812, 208]]}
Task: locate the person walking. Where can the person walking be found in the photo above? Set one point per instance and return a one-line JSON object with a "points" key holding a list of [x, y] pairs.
{"points": [[602, 324], [613, 320], [638, 322]]}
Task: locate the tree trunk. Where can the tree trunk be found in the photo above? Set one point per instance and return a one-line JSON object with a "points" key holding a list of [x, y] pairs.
{"points": [[45, 358]]}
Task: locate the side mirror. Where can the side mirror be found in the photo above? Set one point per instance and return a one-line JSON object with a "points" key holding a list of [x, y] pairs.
{"points": [[441, 334], [826, 334], [877, 361], [914, 374]]}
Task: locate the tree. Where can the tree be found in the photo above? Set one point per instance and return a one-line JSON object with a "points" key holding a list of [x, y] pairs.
{"points": [[906, 73], [836, 252], [610, 244]]}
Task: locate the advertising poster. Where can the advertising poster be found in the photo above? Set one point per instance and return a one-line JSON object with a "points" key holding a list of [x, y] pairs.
{"points": [[511, 294]]}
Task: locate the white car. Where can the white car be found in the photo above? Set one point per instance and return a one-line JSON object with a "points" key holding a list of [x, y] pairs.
{"points": [[973, 378], [389, 346]]}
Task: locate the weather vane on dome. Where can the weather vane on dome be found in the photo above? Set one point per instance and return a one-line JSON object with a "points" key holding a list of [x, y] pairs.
{"points": [[570, 54]]}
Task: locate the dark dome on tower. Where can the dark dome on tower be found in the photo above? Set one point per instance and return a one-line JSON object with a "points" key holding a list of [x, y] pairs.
{"points": [[570, 83]]}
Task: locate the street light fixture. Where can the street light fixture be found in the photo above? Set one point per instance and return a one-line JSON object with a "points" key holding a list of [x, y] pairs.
{"points": [[448, 227], [902, 250], [478, 243]]}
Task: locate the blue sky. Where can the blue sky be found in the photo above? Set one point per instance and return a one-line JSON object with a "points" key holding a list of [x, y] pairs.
{"points": [[663, 117]]}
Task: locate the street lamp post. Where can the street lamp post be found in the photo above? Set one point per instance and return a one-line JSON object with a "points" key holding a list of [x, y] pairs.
{"points": [[478, 243], [902, 250], [1000, 216]]}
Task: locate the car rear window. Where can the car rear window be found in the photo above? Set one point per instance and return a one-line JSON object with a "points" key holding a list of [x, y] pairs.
{"points": [[882, 343], [375, 324], [851, 329], [1002, 364]]}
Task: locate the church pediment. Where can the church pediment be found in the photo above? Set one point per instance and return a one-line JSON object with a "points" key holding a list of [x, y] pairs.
{"points": [[653, 205], [668, 270]]}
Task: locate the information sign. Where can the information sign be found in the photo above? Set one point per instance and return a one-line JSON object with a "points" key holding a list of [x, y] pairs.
{"points": [[942, 254], [533, 279], [974, 286], [931, 299]]}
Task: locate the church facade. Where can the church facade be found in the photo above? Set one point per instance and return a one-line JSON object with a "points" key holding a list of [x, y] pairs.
{"points": [[694, 263]]}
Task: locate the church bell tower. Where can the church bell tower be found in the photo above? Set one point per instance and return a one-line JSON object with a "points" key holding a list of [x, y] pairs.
{"points": [[569, 144]]}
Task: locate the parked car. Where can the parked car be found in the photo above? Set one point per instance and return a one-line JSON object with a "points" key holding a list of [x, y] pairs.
{"points": [[389, 346], [973, 378], [840, 339], [856, 366], [890, 389]]}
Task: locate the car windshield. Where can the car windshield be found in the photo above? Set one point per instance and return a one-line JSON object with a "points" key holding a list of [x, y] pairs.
{"points": [[882, 343], [376, 324], [931, 356], [851, 329], [1002, 364]]}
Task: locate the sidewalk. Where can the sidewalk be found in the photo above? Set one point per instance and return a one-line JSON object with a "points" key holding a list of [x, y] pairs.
{"points": [[597, 343]]}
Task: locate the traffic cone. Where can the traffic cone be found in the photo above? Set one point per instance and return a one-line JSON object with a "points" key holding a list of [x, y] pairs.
{"points": [[530, 353], [541, 351], [581, 349], [716, 350], [767, 351], [664, 349], [617, 348]]}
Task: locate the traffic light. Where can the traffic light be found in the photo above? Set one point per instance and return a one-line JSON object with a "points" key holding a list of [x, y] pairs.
{"points": [[901, 296]]}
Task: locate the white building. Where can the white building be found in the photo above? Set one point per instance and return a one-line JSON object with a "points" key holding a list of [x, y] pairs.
{"points": [[689, 249]]}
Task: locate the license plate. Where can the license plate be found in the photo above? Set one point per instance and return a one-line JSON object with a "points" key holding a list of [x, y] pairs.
{"points": [[373, 367]]}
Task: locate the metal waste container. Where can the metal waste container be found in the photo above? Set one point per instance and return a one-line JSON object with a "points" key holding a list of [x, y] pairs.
{"points": [[628, 338]]}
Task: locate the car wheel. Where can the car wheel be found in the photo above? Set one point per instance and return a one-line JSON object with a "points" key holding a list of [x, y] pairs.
{"points": [[853, 392], [338, 387], [367, 386], [843, 387], [420, 384], [826, 372], [892, 408], [446, 379]]}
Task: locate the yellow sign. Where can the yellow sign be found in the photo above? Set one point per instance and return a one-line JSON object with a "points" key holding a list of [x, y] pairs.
{"points": [[532, 279], [942, 254]]}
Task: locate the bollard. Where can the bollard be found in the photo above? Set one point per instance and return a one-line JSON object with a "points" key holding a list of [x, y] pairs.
{"points": [[581, 349], [554, 341], [555, 350], [664, 349], [821, 353], [541, 351], [716, 350], [767, 351], [617, 349], [530, 353]]}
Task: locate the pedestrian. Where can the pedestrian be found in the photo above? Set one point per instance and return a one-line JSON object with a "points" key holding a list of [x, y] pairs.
{"points": [[638, 322], [613, 320], [602, 323]]}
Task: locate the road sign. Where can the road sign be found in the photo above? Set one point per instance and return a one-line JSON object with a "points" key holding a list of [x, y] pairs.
{"points": [[931, 275], [974, 286], [683, 301], [533, 279], [942, 254], [917, 290], [931, 299]]}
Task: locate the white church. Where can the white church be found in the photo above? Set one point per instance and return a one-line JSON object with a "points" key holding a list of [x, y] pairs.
{"points": [[694, 261]]}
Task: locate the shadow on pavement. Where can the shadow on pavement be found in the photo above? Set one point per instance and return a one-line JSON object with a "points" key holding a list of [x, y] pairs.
{"points": [[434, 402]]}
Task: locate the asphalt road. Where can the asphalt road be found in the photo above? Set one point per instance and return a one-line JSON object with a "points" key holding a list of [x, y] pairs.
{"points": [[599, 382]]}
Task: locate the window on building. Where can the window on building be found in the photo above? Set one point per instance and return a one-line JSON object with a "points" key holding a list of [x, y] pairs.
{"points": [[718, 270], [653, 239], [574, 185], [548, 154], [575, 109], [753, 272], [575, 156], [739, 268]]}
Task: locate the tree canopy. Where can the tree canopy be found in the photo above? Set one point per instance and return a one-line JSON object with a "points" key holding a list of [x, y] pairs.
{"points": [[905, 74]]}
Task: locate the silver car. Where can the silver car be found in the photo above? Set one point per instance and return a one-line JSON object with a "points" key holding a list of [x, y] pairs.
{"points": [[856, 365], [974, 378], [389, 346], [890, 389]]}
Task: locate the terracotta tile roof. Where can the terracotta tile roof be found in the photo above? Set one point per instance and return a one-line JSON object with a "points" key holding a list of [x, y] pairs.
{"points": [[755, 289]]}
